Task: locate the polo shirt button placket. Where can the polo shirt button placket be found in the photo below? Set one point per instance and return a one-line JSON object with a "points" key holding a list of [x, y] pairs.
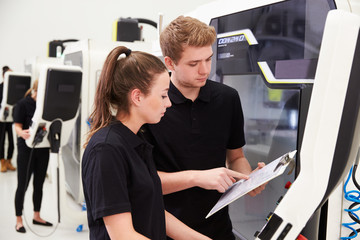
{"points": [[195, 123]]}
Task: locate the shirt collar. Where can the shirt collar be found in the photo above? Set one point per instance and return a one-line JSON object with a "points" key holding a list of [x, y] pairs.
{"points": [[134, 140], [29, 98], [177, 97]]}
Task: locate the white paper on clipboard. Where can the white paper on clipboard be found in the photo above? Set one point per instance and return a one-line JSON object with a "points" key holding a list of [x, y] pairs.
{"points": [[256, 179]]}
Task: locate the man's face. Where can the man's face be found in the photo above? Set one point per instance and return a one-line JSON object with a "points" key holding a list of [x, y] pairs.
{"points": [[193, 68]]}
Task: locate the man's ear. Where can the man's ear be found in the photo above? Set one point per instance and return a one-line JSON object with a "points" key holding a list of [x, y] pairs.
{"points": [[136, 96], [169, 63]]}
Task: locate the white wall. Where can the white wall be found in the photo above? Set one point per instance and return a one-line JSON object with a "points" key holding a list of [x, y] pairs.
{"points": [[27, 26]]}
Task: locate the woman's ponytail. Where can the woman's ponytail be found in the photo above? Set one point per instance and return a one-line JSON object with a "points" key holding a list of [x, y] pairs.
{"points": [[102, 113]]}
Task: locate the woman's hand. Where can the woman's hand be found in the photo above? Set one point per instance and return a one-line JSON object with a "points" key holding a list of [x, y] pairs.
{"points": [[25, 133]]}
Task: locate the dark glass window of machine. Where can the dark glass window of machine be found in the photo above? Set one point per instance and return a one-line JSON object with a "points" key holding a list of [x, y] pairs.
{"points": [[62, 91], [288, 33], [18, 85]]}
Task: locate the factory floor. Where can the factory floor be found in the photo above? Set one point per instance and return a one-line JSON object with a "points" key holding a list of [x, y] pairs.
{"points": [[67, 229]]}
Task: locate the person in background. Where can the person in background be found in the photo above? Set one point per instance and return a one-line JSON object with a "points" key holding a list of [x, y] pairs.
{"points": [[121, 186], [198, 143], [6, 129], [29, 160]]}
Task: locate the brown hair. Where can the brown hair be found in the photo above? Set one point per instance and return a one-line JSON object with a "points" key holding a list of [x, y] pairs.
{"points": [[5, 69], [118, 78], [33, 88], [185, 31]]}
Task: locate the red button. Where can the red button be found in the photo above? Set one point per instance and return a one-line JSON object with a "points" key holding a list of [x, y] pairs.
{"points": [[301, 237], [287, 185]]}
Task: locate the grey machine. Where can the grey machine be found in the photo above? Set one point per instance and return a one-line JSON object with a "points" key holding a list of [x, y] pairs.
{"points": [[270, 54], [332, 133]]}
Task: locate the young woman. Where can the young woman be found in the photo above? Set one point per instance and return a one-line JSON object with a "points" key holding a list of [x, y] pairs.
{"points": [[121, 186], [23, 114]]}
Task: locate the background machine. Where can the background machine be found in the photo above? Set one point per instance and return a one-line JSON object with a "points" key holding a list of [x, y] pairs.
{"points": [[57, 107], [90, 56], [17, 84], [13, 89], [33, 65]]}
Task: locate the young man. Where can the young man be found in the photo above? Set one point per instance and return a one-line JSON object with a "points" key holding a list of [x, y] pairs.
{"points": [[198, 143]]}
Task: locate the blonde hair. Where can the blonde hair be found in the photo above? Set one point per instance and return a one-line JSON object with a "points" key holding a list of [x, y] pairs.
{"points": [[33, 88], [185, 31]]}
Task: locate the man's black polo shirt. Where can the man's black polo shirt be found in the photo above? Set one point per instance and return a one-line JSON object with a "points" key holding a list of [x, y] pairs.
{"points": [[119, 176], [195, 136]]}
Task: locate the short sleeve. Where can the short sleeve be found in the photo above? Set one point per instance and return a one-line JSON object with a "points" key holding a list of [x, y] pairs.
{"points": [[19, 112], [1, 92], [237, 136], [105, 181]]}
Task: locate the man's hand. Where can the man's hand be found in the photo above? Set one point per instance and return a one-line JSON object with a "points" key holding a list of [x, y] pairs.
{"points": [[219, 179], [259, 189]]}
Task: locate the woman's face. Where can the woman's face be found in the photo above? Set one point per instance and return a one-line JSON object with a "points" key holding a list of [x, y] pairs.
{"points": [[34, 94], [155, 103]]}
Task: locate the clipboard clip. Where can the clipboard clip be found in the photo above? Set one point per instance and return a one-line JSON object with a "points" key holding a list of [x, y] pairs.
{"points": [[286, 160]]}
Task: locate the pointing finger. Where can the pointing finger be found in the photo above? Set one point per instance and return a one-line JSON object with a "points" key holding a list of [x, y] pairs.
{"points": [[236, 175]]}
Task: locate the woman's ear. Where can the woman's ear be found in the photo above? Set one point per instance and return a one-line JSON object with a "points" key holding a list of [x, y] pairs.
{"points": [[169, 63], [136, 96]]}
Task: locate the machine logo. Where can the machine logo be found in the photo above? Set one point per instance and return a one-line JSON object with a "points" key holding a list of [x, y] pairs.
{"points": [[231, 39]]}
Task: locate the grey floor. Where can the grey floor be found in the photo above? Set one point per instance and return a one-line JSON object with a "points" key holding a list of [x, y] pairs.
{"points": [[67, 229]]}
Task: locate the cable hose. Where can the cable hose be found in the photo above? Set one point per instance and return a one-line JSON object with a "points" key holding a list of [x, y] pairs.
{"points": [[147, 21], [352, 196], [28, 176]]}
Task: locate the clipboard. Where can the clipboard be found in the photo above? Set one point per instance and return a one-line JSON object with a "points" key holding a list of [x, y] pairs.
{"points": [[257, 178]]}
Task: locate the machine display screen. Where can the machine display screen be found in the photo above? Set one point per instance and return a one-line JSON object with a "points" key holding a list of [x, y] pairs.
{"points": [[231, 46], [62, 94], [18, 85], [285, 33]]}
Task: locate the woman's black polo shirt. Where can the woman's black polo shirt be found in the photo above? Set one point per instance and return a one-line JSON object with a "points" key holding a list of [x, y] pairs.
{"points": [[23, 112], [119, 176], [195, 136]]}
